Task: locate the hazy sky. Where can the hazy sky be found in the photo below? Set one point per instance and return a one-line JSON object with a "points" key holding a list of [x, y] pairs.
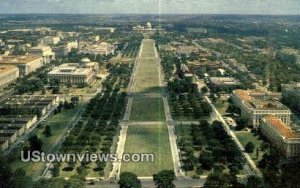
{"points": [[152, 6]]}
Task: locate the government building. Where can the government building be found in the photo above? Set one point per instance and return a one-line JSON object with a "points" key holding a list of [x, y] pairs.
{"points": [[282, 136], [43, 51], [256, 105], [84, 72], [26, 64], [8, 74]]}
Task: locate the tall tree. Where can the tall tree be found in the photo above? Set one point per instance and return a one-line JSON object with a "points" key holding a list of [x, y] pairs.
{"points": [[164, 179], [129, 180]]}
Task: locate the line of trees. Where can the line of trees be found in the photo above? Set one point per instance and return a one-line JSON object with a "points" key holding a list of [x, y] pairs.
{"points": [[100, 120]]}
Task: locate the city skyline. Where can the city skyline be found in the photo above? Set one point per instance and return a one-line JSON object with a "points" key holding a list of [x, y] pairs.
{"points": [[267, 7]]}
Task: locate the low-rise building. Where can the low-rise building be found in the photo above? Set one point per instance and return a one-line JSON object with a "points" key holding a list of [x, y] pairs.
{"points": [[2, 43], [3, 143], [84, 72], [8, 74], [103, 48], [291, 95], [11, 127], [42, 51], [8, 135], [186, 49], [281, 135], [37, 105], [18, 121], [223, 83], [256, 105], [26, 64], [49, 41], [64, 49]]}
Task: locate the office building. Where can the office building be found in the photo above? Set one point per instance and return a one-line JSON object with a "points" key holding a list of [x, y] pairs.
{"points": [[286, 140], [256, 105], [42, 51], [8, 74], [223, 83], [291, 95], [26, 64], [84, 72]]}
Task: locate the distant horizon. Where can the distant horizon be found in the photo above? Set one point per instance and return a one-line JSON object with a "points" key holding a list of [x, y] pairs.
{"points": [[153, 7], [115, 14]]}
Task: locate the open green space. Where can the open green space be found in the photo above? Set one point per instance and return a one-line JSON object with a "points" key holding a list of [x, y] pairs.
{"points": [[58, 123], [148, 47], [147, 78], [147, 139], [245, 137], [148, 55], [147, 109]]}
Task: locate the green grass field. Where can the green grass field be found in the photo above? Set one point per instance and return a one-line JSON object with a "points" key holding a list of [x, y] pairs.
{"points": [[148, 55], [147, 109], [245, 137], [147, 78], [147, 139], [148, 47], [58, 124]]}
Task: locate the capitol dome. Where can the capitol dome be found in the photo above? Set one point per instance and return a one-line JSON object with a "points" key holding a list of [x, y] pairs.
{"points": [[85, 60]]}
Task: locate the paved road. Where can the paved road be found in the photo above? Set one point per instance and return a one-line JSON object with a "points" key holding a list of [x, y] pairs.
{"points": [[250, 167], [64, 135]]}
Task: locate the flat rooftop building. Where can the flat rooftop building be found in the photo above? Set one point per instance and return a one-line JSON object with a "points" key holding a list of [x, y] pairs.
{"points": [[11, 127], [223, 83], [255, 105], [103, 48], [291, 94], [28, 105], [49, 41], [26, 64], [8, 74], [42, 51], [281, 135], [84, 72]]}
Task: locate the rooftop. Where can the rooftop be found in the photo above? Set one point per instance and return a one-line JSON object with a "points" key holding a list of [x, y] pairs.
{"points": [[40, 48], [18, 59], [4, 69], [282, 128], [72, 69], [224, 80], [258, 99]]}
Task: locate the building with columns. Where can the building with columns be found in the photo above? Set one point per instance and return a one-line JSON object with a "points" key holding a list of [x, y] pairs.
{"points": [[286, 140], [42, 51], [84, 72], [8, 74], [256, 105], [25, 64]]}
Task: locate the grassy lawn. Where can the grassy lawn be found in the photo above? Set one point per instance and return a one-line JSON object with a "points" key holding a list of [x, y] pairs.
{"points": [[148, 139], [148, 55], [148, 47], [245, 137], [58, 124], [147, 78], [221, 106], [147, 109]]}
